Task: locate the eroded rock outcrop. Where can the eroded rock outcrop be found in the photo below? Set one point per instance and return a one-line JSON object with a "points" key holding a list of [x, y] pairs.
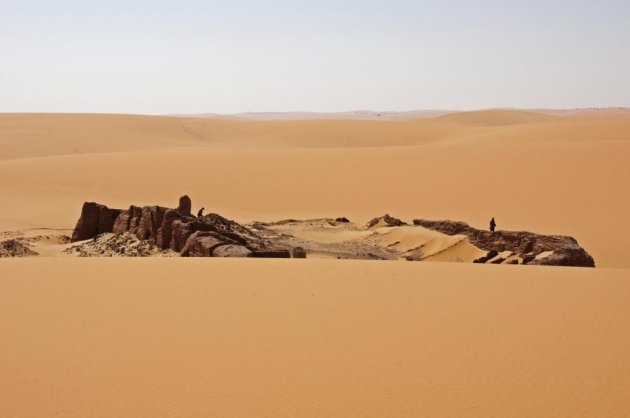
{"points": [[95, 219], [299, 252], [385, 220], [563, 250], [185, 206], [177, 230]]}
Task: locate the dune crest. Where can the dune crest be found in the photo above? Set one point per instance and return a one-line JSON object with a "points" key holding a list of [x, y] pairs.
{"points": [[489, 118]]}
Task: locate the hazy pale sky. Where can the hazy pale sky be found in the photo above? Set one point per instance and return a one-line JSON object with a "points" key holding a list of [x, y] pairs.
{"points": [[194, 56]]}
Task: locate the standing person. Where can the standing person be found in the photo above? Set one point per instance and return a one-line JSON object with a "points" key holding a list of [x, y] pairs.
{"points": [[200, 213], [493, 225]]}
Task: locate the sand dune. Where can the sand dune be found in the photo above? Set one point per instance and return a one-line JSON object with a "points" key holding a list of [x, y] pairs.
{"points": [[435, 246], [307, 338], [40, 135]]}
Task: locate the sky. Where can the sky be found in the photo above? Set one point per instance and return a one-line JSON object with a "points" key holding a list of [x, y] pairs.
{"points": [[194, 56]]}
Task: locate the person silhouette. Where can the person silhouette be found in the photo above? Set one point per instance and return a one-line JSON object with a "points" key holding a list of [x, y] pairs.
{"points": [[200, 213], [493, 225]]}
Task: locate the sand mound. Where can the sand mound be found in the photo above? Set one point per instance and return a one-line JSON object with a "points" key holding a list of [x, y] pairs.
{"points": [[495, 117], [419, 244], [32, 242]]}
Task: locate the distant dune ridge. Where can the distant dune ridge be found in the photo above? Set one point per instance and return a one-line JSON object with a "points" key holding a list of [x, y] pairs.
{"points": [[495, 118], [352, 115], [395, 115]]}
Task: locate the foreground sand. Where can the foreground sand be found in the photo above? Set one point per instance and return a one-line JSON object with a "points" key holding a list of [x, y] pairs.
{"points": [[305, 338]]}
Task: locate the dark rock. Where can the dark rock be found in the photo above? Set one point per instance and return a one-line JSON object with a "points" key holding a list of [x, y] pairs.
{"points": [[145, 222], [151, 220], [567, 251], [270, 254], [128, 220], [185, 206], [299, 252], [489, 256], [207, 236], [181, 231], [498, 260], [95, 219], [203, 243], [387, 220], [342, 220], [528, 258], [492, 253], [165, 231], [231, 250], [565, 257], [513, 262]]}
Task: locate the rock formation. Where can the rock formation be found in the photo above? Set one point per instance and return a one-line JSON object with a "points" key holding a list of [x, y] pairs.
{"points": [[95, 219], [385, 220], [299, 252], [563, 250], [176, 229], [185, 206], [167, 231]]}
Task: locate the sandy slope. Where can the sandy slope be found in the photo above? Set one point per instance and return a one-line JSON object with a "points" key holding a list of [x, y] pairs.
{"points": [[38, 135], [306, 338]]}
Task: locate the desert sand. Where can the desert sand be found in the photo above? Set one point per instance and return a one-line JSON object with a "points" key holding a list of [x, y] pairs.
{"points": [[286, 338], [216, 337]]}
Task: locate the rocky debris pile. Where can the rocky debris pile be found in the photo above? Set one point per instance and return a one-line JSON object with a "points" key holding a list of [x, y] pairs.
{"points": [[384, 220], [15, 248], [117, 245], [177, 230], [531, 248]]}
